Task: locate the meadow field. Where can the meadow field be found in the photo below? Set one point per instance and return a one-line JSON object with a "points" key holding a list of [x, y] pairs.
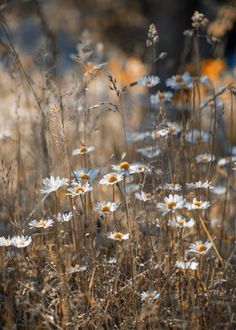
{"points": [[118, 195]]}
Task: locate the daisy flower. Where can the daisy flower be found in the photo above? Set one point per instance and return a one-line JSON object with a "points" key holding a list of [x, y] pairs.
{"points": [[148, 81], [85, 174], [149, 152], [21, 241], [164, 132], [170, 186], [187, 265], [197, 205], [136, 137], [118, 236], [174, 127], [180, 82], [125, 167], [149, 295], [196, 136], [171, 203], [142, 196], [181, 222], [83, 150], [199, 185], [64, 217], [42, 223], [78, 189], [219, 190], [111, 178], [5, 241], [52, 184], [205, 158], [161, 97], [199, 247], [106, 208]]}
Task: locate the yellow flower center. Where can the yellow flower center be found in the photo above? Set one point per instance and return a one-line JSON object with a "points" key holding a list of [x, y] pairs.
{"points": [[112, 178], [41, 223], [199, 138], [21, 243], [124, 165], [201, 248], [79, 190], [161, 96], [84, 176], [82, 149], [118, 235], [205, 158], [171, 204], [197, 203], [105, 208], [181, 222], [147, 195], [179, 79]]}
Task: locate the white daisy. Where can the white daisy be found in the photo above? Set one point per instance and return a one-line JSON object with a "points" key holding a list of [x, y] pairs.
{"points": [[105, 208], [83, 150], [181, 222], [142, 196], [126, 167], [78, 189], [150, 152], [180, 82], [149, 295], [187, 265], [136, 137], [171, 203], [64, 217], [199, 185], [161, 97], [196, 136], [5, 241], [148, 81], [219, 190], [205, 158], [21, 241], [52, 184], [161, 133], [42, 223], [85, 174], [197, 205], [111, 178], [118, 236], [174, 127], [199, 247], [170, 186]]}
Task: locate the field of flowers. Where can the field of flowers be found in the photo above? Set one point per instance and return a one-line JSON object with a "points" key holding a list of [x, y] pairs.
{"points": [[117, 204]]}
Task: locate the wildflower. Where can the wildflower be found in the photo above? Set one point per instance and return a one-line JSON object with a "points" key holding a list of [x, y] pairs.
{"points": [[164, 132], [219, 190], [199, 247], [148, 81], [187, 265], [64, 217], [161, 97], [42, 223], [205, 158], [226, 161], [77, 269], [78, 189], [180, 82], [85, 174], [5, 241], [196, 136], [136, 137], [199, 185], [174, 127], [111, 178], [171, 186], [105, 208], [83, 150], [149, 295], [118, 236], [197, 205], [125, 167], [150, 152], [142, 196], [52, 184], [181, 222], [171, 203], [21, 241]]}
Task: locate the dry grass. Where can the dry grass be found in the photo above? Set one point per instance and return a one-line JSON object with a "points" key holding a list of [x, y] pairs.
{"points": [[117, 270]]}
